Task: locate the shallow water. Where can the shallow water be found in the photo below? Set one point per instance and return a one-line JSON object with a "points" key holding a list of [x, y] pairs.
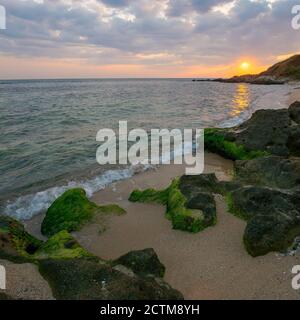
{"points": [[48, 128]]}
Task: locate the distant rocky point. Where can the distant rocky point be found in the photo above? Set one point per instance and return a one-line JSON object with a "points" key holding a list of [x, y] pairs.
{"points": [[279, 73]]}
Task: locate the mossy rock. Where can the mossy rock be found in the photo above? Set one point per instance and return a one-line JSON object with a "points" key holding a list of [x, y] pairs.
{"points": [[16, 244], [89, 279], [216, 140], [71, 211], [182, 217], [61, 246], [142, 262]]}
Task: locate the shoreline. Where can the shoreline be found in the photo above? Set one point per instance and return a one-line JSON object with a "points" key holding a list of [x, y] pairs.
{"points": [[211, 264]]}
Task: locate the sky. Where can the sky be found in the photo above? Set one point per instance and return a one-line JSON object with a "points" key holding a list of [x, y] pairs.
{"points": [[144, 38]]}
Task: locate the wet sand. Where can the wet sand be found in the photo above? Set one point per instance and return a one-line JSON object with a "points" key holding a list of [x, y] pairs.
{"points": [[212, 264]]}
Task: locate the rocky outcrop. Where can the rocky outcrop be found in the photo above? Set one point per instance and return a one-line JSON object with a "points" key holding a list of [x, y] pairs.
{"points": [[268, 132], [189, 208], [279, 73], [71, 211], [74, 273], [90, 279], [266, 185]]}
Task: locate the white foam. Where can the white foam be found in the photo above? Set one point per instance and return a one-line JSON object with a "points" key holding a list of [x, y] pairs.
{"points": [[25, 207]]}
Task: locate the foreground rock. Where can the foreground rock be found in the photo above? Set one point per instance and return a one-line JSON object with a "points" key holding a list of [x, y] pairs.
{"points": [[271, 171], [273, 217], [71, 211], [74, 273], [189, 207], [93, 280]]}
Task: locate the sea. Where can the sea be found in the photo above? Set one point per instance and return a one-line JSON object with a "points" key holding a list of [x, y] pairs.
{"points": [[48, 128]]}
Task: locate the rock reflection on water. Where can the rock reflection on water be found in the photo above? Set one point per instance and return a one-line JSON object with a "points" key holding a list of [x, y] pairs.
{"points": [[241, 99]]}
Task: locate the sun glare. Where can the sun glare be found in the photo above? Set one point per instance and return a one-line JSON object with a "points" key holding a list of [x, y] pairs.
{"points": [[245, 66]]}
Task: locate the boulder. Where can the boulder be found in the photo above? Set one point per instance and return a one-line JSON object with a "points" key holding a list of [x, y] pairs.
{"points": [[271, 171], [188, 208], [142, 262], [266, 132], [89, 279], [71, 211], [294, 111], [273, 217]]}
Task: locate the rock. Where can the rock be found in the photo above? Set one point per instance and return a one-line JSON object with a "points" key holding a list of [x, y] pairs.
{"points": [[294, 141], [275, 232], [265, 133], [187, 212], [196, 183], [71, 211], [294, 111], [15, 243], [223, 142], [19, 246], [271, 171], [89, 279], [267, 130], [273, 217], [143, 263]]}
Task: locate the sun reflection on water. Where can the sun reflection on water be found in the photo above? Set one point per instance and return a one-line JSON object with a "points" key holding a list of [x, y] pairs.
{"points": [[241, 99]]}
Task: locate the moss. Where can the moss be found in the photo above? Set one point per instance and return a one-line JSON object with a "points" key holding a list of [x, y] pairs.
{"points": [[17, 245], [150, 195], [71, 211], [112, 208], [61, 246], [181, 217], [232, 208], [216, 142]]}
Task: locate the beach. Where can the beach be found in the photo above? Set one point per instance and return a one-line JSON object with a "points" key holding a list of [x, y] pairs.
{"points": [[212, 264]]}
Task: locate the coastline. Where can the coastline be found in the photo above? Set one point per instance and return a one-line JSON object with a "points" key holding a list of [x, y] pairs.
{"points": [[195, 263]]}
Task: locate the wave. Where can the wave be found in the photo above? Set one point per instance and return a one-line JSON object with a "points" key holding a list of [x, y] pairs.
{"points": [[28, 206]]}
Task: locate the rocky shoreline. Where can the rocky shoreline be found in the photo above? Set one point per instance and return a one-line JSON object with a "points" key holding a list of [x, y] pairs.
{"points": [[264, 192]]}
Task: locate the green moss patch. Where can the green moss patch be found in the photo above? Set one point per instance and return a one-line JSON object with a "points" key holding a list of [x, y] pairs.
{"points": [[15, 243], [71, 211], [61, 246], [216, 142], [182, 218]]}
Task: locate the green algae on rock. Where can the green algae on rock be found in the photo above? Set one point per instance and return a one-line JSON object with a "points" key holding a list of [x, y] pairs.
{"points": [[215, 140], [61, 246], [71, 211], [16, 244], [185, 217]]}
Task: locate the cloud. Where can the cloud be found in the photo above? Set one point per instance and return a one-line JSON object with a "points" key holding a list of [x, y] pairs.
{"points": [[149, 32]]}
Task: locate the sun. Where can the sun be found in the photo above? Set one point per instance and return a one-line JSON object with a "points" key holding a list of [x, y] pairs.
{"points": [[245, 66]]}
